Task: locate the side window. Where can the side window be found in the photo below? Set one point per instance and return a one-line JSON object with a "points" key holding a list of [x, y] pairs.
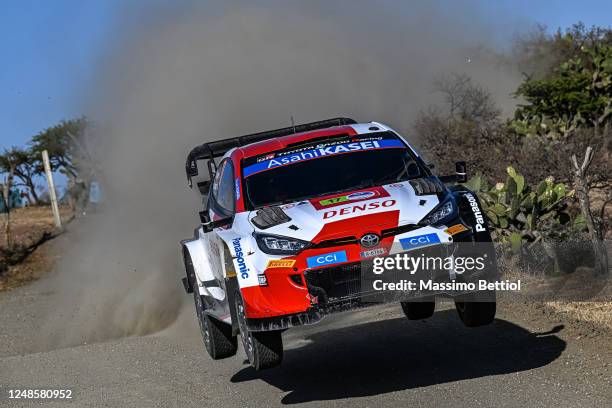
{"points": [[224, 192], [215, 184]]}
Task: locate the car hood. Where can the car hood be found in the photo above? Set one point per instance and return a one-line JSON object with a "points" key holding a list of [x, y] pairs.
{"points": [[351, 213]]}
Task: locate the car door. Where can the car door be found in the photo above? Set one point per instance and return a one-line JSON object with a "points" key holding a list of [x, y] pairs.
{"points": [[221, 205]]}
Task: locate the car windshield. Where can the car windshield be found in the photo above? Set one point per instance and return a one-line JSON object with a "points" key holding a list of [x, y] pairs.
{"points": [[326, 168]]}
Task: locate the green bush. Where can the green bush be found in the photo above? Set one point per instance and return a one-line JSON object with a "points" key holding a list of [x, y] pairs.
{"points": [[519, 213]]}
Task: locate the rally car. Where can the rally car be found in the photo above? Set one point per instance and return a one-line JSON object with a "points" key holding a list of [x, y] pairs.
{"points": [[291, 214]]}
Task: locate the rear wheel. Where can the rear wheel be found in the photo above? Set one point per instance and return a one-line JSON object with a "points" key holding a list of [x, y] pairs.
{"points": [[476, 309], [419, 310], [217, 335], [263, 349]]}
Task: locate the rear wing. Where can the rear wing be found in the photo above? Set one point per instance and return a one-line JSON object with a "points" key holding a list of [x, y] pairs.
{"points": [[209, 151]]}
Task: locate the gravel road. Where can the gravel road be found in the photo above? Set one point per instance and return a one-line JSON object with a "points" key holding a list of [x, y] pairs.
{"points": [[372, 357], [528, 358]]}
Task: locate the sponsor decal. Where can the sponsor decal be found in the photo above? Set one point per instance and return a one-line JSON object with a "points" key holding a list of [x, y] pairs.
{"points": [[419, 241], [262, 280], [455, 229], [237, 183], [373, 252], [318, 152], [326, 259], [395, 185], [266, 157], [242, 268], [313, 299], [291, 205], [480, 222], [280, 263], [347, 198], [362, 195], [335, 200], [322, 145], [359, 208]]}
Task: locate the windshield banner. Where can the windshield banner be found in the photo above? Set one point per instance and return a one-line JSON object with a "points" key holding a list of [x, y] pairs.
{"points": [[322, 152]]}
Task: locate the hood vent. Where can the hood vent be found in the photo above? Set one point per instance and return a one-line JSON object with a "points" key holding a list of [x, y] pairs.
{"points": [[427, 186], [268, 217]]}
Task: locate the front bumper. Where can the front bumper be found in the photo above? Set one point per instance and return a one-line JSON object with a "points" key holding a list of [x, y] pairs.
{"points": [[301, 295]]}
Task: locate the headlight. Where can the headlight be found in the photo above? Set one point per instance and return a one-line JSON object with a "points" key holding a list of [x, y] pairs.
{"points": [[439, 214], [275, 245]]}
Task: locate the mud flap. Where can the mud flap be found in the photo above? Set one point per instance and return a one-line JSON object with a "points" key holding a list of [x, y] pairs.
{"points": [[231, 286], [187, 285]]}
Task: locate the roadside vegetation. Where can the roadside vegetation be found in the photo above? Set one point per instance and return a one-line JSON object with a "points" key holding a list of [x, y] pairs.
{"points": [[25, 200], [542, 174]]}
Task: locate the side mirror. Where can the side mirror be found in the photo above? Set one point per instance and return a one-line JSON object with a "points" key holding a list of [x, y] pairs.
{"points": [[204, 217], [208, 225], [204, 187], [461, 172], [460, 175]]}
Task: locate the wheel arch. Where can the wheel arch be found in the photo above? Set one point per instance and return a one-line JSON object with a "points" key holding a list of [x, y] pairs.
{"points": [[187, 264], [195, 256]]}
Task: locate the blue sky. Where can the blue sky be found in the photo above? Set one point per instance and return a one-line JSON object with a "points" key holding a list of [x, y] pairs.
{"points": [[48, 50]]}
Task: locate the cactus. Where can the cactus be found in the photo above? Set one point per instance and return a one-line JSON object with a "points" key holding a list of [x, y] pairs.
{"points": [[518, 212]]}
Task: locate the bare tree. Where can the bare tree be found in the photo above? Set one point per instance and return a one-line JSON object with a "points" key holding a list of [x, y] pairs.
{"points": [[458, 130], [6, 192], [466, 100], [582, 191]]}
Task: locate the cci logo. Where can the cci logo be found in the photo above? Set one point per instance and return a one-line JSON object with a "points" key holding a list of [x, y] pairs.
{"points": [[419, 240], [326, 259]]}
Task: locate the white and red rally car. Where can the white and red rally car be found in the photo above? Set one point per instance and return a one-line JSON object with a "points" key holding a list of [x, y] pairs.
{"points": [[290, 216]]}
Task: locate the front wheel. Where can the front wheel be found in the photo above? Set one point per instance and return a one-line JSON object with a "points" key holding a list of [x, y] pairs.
{"points": [[476, 309], [263, 349], [218, 338]]}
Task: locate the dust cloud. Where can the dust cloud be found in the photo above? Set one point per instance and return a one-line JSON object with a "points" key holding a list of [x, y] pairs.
{"points": [[176, 76]]}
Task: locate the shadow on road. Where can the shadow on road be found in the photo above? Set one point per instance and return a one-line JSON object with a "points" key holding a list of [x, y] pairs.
{"points": [[397, 354]]}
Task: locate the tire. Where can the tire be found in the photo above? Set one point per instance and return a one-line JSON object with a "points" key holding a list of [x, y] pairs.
{"points": [[218, 338], [263, 349], [419, 310], [476, 313], [217, 335]]}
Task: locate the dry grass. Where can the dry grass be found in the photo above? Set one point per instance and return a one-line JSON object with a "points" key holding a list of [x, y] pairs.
{"points": [[32, 268], [599, 313], [581, 296], [28, 224]]}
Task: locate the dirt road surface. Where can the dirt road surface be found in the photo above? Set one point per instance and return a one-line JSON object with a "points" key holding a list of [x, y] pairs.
{"points": [[375, 357]]}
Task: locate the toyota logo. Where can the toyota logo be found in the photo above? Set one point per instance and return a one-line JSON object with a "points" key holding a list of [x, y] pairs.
{"points": [[369, 240]]}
